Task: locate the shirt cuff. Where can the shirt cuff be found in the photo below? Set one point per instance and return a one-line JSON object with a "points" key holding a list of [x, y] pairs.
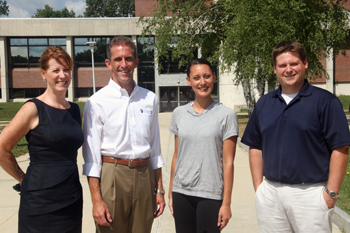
{"points": [[157, 161], [91, 169]]}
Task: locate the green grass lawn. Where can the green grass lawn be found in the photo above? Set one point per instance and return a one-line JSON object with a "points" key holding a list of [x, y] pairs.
{"points": [[345, 101]]}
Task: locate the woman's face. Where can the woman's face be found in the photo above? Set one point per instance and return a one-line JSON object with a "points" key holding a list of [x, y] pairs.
{"points": [[58, 75], [201, 80]]}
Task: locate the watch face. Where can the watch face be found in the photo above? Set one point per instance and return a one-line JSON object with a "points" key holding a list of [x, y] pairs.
{"points": [[332, 194]]}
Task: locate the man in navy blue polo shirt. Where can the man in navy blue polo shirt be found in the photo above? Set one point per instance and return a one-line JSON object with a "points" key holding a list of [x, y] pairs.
{"points": [[299, 140]]}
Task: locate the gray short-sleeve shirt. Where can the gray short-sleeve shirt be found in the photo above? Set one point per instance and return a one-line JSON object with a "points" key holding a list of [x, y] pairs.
{"points": [[198, 170]]}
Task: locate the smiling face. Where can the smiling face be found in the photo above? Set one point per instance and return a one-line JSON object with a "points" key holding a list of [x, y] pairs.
{"points": [[201, 79], [290, 71], [57, 75], [122, 64]]}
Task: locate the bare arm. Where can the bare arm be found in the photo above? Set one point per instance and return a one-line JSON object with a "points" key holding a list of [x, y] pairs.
{"points": [[100, 210], [159, 197], [337, 169], [173, 165], [256, 166], [25, 120], [228, 156]]}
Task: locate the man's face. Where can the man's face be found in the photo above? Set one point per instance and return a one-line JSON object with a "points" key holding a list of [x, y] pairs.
{"points": [[290, 71], [122, 64]]}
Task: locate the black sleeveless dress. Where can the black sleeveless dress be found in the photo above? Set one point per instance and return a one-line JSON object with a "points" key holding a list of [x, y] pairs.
{"points": [[51, 193]]}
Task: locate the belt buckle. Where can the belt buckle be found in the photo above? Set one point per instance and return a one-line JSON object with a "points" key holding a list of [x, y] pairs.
{"points": [[129, 165]]}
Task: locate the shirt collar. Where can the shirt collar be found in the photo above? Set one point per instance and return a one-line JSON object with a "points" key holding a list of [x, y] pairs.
{"points": [[120, 91], [306, 90]]}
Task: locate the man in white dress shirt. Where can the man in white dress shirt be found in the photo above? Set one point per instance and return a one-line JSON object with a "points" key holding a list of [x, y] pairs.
{"points": [[122, 148]]}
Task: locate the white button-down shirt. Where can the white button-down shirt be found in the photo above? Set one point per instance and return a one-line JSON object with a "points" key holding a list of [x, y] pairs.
{"points": [[120, 126]]}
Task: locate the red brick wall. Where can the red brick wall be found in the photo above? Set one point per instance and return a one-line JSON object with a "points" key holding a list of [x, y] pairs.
{"points": [[31, 78], [84, 76], [144, 7], [347, 5], [26, 78], [342, 68]]}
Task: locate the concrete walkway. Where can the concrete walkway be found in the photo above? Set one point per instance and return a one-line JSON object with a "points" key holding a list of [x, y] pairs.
{"points": [[243, 209]]}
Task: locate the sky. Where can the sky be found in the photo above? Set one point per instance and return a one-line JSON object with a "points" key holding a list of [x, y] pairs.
{"points": [[27, 8]]}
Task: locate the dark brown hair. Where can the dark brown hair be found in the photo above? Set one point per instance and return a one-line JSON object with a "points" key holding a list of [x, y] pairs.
{"points": [[288, 46]]}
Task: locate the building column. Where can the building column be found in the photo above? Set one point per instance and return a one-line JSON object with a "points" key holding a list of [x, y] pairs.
{"points": [[4, 70], [134, 39], [69, 47], [330, 69]]}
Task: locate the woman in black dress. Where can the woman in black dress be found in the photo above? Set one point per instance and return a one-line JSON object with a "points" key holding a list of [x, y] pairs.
{"points": [[51, 194]]}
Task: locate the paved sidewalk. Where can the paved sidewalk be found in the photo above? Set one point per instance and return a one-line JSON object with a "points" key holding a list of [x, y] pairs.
{"points": [[243, 209]]}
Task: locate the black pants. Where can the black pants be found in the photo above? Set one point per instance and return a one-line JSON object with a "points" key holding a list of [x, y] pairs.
{"points": [[195, 214]]}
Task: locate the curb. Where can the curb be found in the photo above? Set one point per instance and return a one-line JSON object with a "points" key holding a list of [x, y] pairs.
{"points": [[340, 218]]}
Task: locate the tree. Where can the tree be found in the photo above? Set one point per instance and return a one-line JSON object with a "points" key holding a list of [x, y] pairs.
{"points": [[240, 34], [110, 8], [49, 12], [4, 8]]}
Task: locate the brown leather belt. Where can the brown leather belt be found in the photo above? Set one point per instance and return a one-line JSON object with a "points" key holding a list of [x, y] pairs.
{"points": [[126, 162]]}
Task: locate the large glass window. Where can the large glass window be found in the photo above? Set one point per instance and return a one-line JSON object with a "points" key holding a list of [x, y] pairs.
{"points": [[85, 91], [26, 52], [145, 67], [170, 65], [25, 92], [82, 51]]}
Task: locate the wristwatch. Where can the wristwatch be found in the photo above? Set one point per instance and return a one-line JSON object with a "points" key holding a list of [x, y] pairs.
{"points": [[332, 194], [160, 191]]}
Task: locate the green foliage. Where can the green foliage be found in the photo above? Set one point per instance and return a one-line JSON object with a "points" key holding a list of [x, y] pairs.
{"points": [[195, 23], [49, 12], [110, 8], [4, 8], [242, 33]]}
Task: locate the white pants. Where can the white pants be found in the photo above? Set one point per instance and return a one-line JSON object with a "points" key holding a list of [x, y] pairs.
{"points": [[298, 208]]}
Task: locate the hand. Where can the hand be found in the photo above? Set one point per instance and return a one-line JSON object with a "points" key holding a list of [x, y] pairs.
{"points": [[224, 215], [329, 201], [159, 202], [101, 213], [171, 204]]}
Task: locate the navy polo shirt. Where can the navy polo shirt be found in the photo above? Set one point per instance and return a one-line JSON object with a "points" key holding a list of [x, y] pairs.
{"points": [[297, 139]]}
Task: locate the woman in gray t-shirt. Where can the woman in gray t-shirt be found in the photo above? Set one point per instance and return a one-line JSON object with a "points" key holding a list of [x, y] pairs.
{"points": [[202, 167]]}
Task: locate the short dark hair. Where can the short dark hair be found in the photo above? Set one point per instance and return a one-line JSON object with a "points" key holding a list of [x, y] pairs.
{"points": [[288, 46], [198, 61], [121, 40], [55, 52]]}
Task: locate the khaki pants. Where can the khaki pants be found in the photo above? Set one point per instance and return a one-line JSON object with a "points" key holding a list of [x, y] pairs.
{"points": [[129, 195], [297, 208]]}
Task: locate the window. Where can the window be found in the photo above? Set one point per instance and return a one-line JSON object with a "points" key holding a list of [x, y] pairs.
{"points": [[25, 92], [82, 52], [171, 65], [145, 67], [26, 52]]}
